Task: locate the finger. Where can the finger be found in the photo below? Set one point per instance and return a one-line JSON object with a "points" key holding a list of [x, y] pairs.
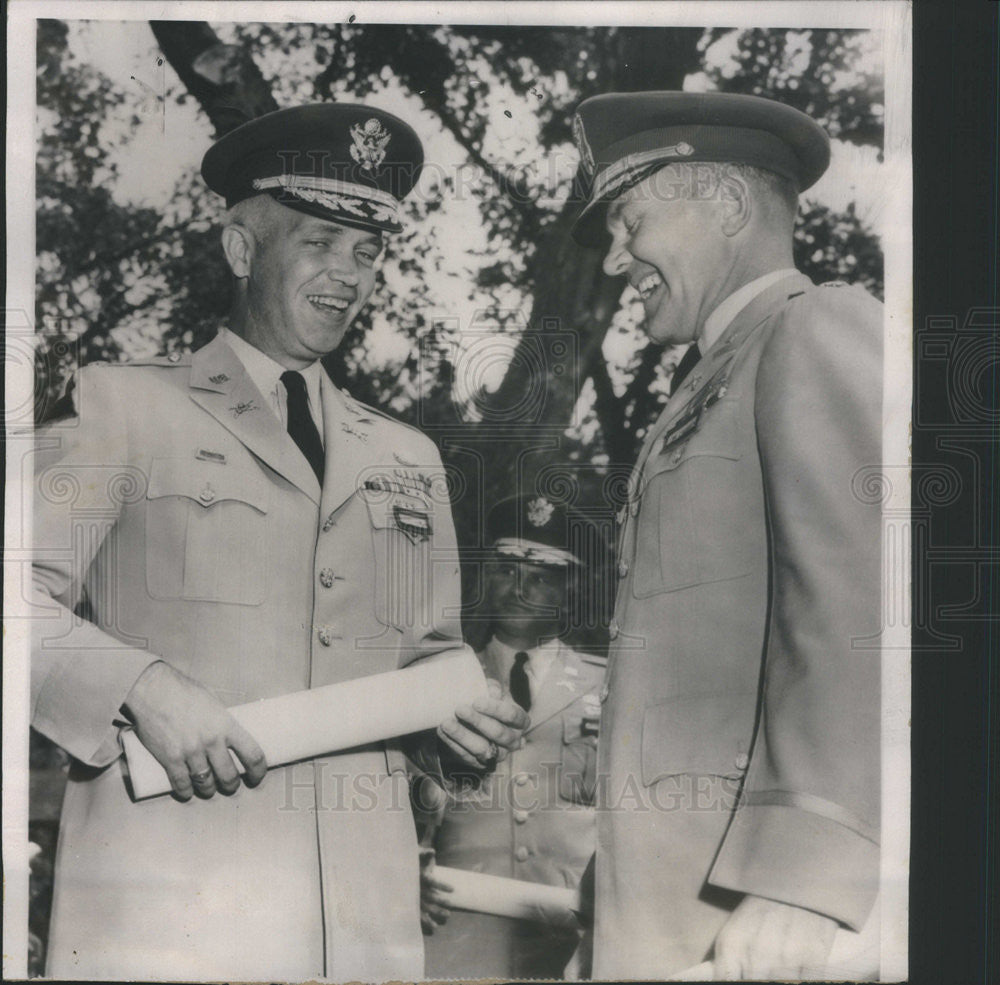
{"points": [[505, 710], [494, 688], [490, 727], [180, 779], [474, 744], [200, 775], [443, 886], [454, 736], [226, 777], [250, 755]]}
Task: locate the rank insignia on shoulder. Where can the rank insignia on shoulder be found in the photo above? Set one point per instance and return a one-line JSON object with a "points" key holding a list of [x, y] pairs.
{"points": [[413, 523]]}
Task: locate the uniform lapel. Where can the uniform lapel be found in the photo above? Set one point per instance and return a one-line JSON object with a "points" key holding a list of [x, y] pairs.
{"points": [[221, 386], [720, 354], [564, 684], [353, 445]]}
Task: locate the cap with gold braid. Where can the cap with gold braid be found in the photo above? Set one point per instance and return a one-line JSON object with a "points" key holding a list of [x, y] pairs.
{"points": [[624, 136], [344, 162]]}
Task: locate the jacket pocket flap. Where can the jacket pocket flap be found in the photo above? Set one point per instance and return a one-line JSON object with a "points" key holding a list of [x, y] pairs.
{"points": [[715, 434], [701, 734], [206, 483]]}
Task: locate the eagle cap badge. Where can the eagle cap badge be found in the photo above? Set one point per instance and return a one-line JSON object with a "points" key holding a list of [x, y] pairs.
{"points": [[540, 511], [370, 141]]}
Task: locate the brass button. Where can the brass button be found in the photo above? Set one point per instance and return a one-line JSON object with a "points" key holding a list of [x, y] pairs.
{"points": [[613, 629], [742, 761], [522, 853], [521, 779], [207, 494], [605, 691], [174, 357], [621, 514], [325, 635], [326, 577], [678, 454], [520, 816], [634, 508], [622, 569]]}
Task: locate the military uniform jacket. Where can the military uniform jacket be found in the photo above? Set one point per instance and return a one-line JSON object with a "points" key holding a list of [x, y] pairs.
{"points": [[202, 537], [534, 821], [740, 732]]}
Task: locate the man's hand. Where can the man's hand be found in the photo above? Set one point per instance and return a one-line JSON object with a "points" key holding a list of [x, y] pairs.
{"points": [[190, 733], [481, 734], [434, 908], [765, 939]]}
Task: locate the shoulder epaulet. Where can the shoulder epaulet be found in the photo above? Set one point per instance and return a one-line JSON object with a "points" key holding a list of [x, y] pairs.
{"points": [[171, 360], [365, 410]]}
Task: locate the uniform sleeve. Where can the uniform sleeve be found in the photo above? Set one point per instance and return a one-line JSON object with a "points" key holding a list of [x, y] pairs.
{"points": [[806, 831], [80, 675]]}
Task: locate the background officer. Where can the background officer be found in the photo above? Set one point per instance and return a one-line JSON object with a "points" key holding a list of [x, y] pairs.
{"points": [[740, 726], [244, 530], [536, 821]]}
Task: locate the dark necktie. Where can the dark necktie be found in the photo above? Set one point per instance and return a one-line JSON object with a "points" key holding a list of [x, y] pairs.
{"points": [[301, 426], [686, 364], [520, 690]]}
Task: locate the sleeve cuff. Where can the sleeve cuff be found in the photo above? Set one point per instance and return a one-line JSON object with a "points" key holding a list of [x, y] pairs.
{"points": [[798, 857]]}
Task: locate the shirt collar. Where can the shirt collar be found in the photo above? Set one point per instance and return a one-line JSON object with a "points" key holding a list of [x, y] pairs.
{"points": [[722, 317], [266, 372], [540, 658]]}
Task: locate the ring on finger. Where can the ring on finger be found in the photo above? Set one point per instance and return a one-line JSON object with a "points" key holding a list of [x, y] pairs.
{"points": [[202, 776], [491, 754]]}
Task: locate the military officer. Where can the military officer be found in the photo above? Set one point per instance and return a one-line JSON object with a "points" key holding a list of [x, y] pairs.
{"points": [[740, 724], [536, 821], [243, 530]]}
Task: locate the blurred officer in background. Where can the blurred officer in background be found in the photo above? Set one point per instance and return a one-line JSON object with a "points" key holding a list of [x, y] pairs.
{"points": [[245, 530], [740, 721], [537, 821]]}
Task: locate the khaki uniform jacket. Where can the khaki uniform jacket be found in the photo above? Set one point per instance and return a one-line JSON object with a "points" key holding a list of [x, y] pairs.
{"points": [[202, 537], [745, 653], [536, 822]]}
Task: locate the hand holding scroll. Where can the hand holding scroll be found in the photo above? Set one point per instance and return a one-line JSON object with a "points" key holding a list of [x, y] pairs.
{"points": [[190, 732], [480, 734]]}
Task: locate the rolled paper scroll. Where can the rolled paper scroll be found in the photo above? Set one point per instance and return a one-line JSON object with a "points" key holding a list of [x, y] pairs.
{"points": [[327, 719], [503, 897]]}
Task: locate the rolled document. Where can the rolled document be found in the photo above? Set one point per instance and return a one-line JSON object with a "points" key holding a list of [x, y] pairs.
{"points": [[504, 897], [338, 716]]}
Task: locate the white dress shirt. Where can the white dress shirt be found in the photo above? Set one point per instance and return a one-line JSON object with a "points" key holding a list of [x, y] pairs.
{"points": [[540, 661], [266, 375], [722, 317]]}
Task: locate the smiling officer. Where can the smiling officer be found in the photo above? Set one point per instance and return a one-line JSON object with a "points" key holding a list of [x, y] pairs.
{"points": [[740, 726], [244, 530]]}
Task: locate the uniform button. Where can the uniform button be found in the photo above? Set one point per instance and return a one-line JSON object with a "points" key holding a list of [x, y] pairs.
{"points": [[622, 569], [613, 629], [605, 691], [621, 514], [634, 508], [174, 357], [326, 577], [678, 454], [207, 494], [742, 761], [520, 816], [521, 779], [522, 853], [325, 635]]}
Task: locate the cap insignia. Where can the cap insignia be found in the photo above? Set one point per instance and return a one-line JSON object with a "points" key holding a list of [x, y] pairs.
{"points": [[586, 154], [540, 511], [370, 141]]}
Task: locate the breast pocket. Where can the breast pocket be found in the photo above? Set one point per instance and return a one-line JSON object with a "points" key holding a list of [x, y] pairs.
{"points": [[692, 527], [205, 532], [402, 526]]}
